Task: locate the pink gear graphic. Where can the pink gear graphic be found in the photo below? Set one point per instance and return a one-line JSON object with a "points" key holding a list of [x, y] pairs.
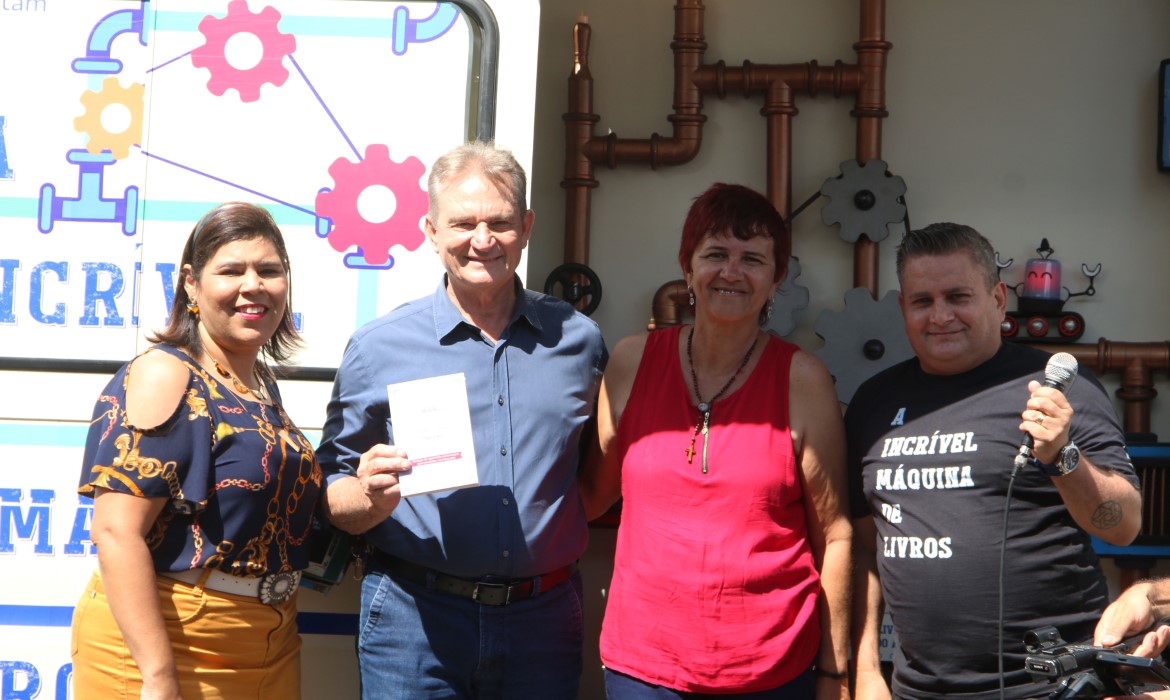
{"points": [[238, 20], [351, 179]]}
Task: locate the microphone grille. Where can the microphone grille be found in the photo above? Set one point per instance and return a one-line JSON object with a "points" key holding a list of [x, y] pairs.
{"points": [[1061, 370]]}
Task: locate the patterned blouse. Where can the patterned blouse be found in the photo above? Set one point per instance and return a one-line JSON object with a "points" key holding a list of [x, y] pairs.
{"points": [[241, 482]]}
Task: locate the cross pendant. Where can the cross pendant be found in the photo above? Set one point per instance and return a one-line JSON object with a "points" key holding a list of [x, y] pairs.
{"points": [[706, 438], [691, 451]]}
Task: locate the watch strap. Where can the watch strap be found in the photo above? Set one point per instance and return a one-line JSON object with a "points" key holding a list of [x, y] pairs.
{"points": [[1047, 468], [1067, 460]]}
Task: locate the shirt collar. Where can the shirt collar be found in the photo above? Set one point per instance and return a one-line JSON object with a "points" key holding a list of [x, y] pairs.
{"points": [[448, 318]]}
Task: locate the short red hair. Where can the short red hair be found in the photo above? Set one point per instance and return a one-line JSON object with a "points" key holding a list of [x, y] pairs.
{"points": [[741, 212]]}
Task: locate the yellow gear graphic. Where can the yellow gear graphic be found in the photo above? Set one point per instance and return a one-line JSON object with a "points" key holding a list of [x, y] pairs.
{"points": [[91, 122]]}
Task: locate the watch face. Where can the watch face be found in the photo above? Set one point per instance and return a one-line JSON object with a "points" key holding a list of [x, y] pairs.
{"points": [[1070, 456]]}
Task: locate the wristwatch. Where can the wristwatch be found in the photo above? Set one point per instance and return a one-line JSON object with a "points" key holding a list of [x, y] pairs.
{"points": [[1066, 461]]}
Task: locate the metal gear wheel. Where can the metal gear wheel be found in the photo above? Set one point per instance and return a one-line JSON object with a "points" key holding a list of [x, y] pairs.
{"points": [[863, 199], [865, 338], [240, 20], [341, 204], [95, 103], [790, 298]]}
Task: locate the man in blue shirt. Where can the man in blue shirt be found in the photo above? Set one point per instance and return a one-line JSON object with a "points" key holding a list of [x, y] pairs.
{"points": [[472, 593]]}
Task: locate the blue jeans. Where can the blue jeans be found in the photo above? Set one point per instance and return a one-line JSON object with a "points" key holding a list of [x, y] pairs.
{"points": [[416, 643], [619, 686]]}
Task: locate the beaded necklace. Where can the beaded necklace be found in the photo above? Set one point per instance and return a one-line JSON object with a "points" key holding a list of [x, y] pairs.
{"points": [[240, 387], [262, 398], [704, 423]]}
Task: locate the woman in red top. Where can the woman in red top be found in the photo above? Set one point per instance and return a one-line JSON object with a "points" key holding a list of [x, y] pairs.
{"points": [[726, 444]]}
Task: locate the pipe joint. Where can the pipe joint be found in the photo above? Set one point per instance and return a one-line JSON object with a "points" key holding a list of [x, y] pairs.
{"points": [[811, 78]]}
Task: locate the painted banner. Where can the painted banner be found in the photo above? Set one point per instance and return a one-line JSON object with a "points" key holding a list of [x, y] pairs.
{"points": [[121, 123]]}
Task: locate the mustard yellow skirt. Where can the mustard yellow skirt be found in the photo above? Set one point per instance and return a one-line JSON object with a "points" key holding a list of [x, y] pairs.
{"points": [[226, 647]]}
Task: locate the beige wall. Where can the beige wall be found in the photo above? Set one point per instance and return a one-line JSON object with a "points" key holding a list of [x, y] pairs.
{"points": [[1023, 118]]}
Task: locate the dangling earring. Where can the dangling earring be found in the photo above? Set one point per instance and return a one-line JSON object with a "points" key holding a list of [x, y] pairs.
{"points": [[691, 295], [767, 311], [193, 308]]}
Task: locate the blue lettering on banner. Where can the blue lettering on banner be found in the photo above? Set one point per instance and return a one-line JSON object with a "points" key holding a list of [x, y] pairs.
{"points": [[37, 291], [79, 535], [105, 284], [166, 271], [64, 680], [8, 270], [30, 525], [17, 523], [5, 171], [19, 680], [94, 293]]}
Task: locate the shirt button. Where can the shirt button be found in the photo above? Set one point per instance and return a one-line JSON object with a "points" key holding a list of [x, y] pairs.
{"points": [[505, 501], [500, 400], [504, 451], [506, 553]]}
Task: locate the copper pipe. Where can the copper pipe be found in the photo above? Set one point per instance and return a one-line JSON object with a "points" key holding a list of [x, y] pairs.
{"points": [[1136, 362], [778, 83], [692, 78], [870, 104], [687, 119], [671, 306], [779, 110], [579, 124], [869, 110], [755, 78]]}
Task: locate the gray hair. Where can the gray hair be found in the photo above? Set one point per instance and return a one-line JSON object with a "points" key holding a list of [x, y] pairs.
{"points": [[497, 164], [947, 238]]}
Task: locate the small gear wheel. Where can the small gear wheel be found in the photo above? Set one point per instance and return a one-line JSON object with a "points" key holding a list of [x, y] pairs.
{"points": [[790, 298], [865, 338], [341, 204], [239, 20], [864, 199], [95, 103]]}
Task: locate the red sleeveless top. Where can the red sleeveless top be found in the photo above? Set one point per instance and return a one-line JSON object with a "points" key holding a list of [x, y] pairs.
{"points": [[714, 586]]}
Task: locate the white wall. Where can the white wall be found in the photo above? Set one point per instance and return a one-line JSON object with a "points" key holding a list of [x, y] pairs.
{"points": [[1023, 118]]}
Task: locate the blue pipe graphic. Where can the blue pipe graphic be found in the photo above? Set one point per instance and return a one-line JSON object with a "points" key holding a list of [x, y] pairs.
{"points": [[408, 31], [97, 55]]}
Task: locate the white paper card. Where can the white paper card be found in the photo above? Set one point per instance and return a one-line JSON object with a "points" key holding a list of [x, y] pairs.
{"points": [[433, 424]]}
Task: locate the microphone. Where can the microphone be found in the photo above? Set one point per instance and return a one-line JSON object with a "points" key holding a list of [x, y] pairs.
{"points": [[1059, 374]]}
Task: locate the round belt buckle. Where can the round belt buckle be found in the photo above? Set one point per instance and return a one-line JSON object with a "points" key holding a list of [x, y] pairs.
{"points": [[277, 588]]}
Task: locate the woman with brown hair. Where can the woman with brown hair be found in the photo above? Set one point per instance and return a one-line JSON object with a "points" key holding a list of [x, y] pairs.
{"points": [[203, 489]]}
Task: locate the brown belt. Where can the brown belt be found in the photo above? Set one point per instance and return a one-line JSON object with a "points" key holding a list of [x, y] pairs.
{"points": [[494, 593]]}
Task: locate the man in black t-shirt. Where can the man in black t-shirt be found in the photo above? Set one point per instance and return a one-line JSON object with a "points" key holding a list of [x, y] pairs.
{"points": [[931, 448]]}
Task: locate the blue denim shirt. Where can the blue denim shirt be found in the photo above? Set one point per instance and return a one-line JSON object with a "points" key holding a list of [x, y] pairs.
{"points": [[530, 396]]}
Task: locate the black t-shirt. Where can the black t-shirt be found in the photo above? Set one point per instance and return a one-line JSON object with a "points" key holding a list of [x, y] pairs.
{"points": [[930, 458]]}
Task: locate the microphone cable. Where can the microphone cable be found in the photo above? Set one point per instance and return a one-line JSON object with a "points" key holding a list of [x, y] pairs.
{"points": [[1002, 568]]}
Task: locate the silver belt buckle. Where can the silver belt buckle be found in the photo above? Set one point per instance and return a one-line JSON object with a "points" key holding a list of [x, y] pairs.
{"points": [[503, 591], [277, 588]]}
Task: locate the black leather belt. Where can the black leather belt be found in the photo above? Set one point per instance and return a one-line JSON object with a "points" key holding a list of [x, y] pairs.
{"points": [[494, 593]]}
